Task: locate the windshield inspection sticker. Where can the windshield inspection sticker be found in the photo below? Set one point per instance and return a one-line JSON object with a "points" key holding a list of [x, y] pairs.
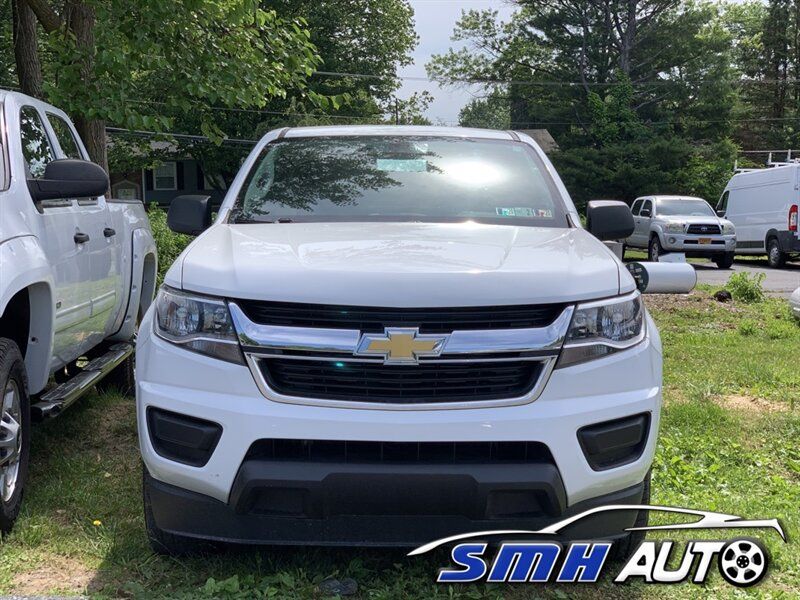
{"points": [[524, 211], [535, 557]]}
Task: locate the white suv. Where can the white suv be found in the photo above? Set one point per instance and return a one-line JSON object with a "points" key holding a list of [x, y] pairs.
{"points": [[683, 224], [391, 335]]}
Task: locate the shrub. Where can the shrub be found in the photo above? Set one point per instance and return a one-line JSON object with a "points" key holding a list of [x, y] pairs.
{"points": [[169, 243], [745, 288], [747, 327]]}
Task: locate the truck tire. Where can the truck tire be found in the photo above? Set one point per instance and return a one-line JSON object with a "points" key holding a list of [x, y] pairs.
{"points": [[775, 258], [15, 432], [654, 249], [163, 542], [121, 379], [724, 260], [624, 548]]}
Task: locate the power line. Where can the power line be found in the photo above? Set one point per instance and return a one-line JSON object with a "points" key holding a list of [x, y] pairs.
{"points": [[555, 82]]}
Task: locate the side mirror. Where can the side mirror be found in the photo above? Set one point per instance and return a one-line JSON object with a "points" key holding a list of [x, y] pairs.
{"points": [[69, 178], [190, 214], [645, 212], [609, 219], [720, 212]]}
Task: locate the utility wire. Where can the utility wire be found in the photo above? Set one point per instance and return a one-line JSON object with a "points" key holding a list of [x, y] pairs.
{"points": [[555, 82]]}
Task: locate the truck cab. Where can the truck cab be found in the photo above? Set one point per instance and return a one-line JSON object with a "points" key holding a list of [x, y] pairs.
{"points": [[77, 270]]}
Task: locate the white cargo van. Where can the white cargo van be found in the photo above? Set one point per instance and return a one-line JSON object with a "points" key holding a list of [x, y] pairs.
{"points": [[762, 204]]}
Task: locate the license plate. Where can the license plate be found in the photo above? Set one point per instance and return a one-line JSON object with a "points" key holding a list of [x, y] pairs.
{"points": [[704, 241]]}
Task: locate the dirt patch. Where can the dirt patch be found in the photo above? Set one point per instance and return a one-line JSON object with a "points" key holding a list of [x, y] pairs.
{"points": [[56, 574], [750, 404], [697, 300]]}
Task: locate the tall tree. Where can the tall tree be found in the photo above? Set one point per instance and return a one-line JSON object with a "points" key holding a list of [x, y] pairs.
{"points": [[138, 64]]}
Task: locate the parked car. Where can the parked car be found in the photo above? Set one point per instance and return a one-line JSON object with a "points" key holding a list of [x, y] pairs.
{"points": [[77, 271], [683, 224], [390, 335], [762, 204]]}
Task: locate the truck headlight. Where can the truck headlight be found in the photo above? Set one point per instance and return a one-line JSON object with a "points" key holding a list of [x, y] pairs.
{"points": [[199, 323], [728, 229], [673, 228], [602, 328]]}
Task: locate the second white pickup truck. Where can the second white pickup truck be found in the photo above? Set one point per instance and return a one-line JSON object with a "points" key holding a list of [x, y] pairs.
{"points": [[77, 271]]}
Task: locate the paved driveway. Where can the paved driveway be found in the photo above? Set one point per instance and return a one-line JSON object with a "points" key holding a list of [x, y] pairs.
{"points": [[778, 281]]}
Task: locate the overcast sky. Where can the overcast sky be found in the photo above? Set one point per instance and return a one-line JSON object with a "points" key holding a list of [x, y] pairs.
{"points": [[434, 21]]}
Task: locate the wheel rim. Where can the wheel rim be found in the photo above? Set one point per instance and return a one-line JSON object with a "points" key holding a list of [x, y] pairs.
{"points": [[774, 253], [10, 439], [654, 251]]}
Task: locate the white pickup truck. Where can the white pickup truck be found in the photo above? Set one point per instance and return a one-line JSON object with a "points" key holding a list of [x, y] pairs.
{"points": [[76, 273], [391, 335]]}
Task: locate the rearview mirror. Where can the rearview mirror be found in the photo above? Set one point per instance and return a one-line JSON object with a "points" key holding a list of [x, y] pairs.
{"points": [[720, 213], [189, 214], [609, 219], [69, 178], [645, 212]]}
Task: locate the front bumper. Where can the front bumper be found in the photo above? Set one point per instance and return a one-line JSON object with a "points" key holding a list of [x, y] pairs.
{"points": [[181, 512], [172, 379], [697, 244]]}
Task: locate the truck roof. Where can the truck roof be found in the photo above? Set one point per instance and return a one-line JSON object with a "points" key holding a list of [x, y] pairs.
{"points": [[409, 130]]}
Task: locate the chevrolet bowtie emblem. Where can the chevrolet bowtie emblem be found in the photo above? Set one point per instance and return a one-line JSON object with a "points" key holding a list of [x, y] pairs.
{"points": [[400, 345]]}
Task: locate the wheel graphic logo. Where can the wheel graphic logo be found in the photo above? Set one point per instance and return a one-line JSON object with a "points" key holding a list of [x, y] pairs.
{"points": [[743, 563]]}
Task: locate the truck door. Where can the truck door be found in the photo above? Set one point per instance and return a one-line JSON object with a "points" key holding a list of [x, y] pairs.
{"points": [[60, 233], [104, 280], [642, 223]]}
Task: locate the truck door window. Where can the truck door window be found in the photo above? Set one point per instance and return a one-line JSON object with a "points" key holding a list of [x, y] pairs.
{"points": [[635, 208], [65, 136], [36, 147], [648, 206]]}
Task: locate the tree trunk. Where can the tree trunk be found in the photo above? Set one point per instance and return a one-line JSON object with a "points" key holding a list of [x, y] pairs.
{"points": [[81, 22], [26, 49]]}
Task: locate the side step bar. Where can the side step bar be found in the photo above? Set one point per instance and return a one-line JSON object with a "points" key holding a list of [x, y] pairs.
{"points": [[56, 400]]}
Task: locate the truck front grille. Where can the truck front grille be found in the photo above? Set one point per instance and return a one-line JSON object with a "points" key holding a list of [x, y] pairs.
{"points": [[703, 229], [374, 319], [432, 382]]}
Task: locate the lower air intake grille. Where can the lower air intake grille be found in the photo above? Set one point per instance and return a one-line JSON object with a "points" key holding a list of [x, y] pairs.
{"points": [[341, 451], [405, 384]]}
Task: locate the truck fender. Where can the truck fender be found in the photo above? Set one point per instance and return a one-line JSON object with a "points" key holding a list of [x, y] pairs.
{"points": [[144, 265], [24, 267]]}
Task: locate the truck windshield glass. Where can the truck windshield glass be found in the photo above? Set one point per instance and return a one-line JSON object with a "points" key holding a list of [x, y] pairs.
{"points": [[399, 178], [684, 208]]}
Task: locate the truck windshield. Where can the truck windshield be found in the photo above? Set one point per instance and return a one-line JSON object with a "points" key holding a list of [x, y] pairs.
{"points": [[399, 178], [684, 207]]}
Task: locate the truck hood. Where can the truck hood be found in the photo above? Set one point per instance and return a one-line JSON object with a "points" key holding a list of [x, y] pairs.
{"points": [[399, 264], [696, 220]]}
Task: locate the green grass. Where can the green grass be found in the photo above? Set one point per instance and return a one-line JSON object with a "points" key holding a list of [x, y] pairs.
{"points": [[729, 442]]}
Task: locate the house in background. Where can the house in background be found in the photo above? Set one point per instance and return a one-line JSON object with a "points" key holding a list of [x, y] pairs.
{"points": [[170, 179]]}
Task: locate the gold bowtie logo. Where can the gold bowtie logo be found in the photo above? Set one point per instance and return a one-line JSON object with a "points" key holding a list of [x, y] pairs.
{"points": [[400, 345]]}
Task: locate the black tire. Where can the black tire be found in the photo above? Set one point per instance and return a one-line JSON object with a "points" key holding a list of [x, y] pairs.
{"points": [[13, 377], [725, 260], [121, 379], [162, 542], [624, 548], [775, 258], [654, 249]]}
